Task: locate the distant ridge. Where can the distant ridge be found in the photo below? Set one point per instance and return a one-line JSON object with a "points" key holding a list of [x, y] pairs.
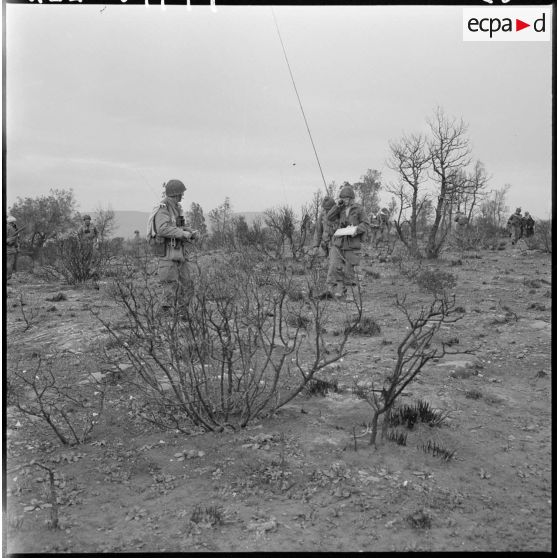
{"points": [[129, 221]]}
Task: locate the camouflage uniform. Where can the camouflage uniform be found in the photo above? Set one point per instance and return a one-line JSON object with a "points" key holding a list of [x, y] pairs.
{"points": [[515, 225], [12, 248], [173, 264], [345, 250], [324, 227]]}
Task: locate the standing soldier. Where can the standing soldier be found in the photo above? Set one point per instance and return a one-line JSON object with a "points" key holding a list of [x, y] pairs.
{"points": [[170, 239], [528, 225], [515, 225], [12, 246], [87, 232], [345, 248], [384, 224], [324, 227]]}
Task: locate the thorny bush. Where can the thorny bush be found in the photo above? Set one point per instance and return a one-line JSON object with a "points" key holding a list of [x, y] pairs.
{"points": [[235, 345]]}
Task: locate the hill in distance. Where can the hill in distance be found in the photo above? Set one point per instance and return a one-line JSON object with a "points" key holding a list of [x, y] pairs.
{"points": [[129, 221]]}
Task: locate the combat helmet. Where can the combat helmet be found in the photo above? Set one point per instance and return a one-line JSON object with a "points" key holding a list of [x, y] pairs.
{"points": [[11, 219], [85, 217], [328, 202], [174, 187], [347, 192]]}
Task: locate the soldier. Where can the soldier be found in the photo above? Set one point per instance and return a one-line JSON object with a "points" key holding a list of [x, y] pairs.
{"points": [[528, 225], [384, 224], [87, 232], [324, 227], [345, 248], [170, 239], [12, 246], [515, 225]]}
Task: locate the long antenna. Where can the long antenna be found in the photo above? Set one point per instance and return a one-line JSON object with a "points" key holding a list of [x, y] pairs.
{"points": [[298, 97]]}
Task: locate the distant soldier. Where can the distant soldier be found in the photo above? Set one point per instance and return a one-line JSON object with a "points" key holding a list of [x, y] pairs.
{"points": [[12, 246], [88, 233], [385, 224], [324, 227], [170, 240], [345, 248], [515, 225], [528, 225]]}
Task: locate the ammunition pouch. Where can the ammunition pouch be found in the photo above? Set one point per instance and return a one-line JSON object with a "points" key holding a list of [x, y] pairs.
{"points": [[157, 244], [175, 250]]}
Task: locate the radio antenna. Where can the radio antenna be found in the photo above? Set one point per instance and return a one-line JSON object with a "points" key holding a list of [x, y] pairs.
{"points": [[298, 97]]}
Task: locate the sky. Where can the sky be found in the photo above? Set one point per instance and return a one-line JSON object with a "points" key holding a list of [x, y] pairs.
{"points": [[112, 101]]}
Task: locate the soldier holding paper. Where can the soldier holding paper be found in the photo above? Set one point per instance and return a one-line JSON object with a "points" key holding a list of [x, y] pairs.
{"points": [[346, 243]]}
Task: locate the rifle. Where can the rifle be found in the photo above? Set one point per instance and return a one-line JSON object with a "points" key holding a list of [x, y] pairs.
{"points": [[20, 229]]}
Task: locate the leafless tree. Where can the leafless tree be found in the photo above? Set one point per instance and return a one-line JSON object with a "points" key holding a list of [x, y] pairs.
{"points": [[105, 222], [449, 151], [410, 159]]}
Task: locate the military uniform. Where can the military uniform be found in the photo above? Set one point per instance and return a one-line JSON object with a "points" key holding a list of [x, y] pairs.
{"points": [[172, 247], [345, 250], [88, 233], [528, 225], [12, 248], [324, 227], [515, 225], [384, 225]]}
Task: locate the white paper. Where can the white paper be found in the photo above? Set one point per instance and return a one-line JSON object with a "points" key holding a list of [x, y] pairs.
{"points": [[347, 231]]}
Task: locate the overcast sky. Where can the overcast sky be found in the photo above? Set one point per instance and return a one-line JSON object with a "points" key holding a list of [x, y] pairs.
{"points": [[113, 101]]}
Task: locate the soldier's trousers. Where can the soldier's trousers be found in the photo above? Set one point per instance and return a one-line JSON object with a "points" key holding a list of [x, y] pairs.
{"points": [[11, 263], [175, 279], [342, 265]]}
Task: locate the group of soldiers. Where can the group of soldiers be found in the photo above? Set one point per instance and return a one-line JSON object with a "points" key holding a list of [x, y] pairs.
{"points": [[87, 233], [520, 226], [339, 234], [341, 230]]}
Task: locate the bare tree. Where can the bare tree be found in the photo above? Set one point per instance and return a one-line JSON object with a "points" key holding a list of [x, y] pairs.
{"points": [[367, 190], [449, 152], [105, 222], [410, 159]]}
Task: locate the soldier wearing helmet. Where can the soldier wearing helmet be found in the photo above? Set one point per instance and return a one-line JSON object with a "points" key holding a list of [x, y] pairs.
{"points": [[324, 227], [345, 250], [12, 246], [528, 225], [171, 241], [88, 233], [515, 225]]}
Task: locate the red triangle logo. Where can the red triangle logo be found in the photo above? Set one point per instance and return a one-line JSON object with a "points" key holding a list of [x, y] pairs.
{"points": [[519, 25]]}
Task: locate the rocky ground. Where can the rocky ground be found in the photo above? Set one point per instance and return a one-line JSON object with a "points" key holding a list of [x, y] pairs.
{"points": [[306, 479]]}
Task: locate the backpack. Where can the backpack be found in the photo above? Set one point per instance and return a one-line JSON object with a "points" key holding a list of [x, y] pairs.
{"points": [[157, 243]]}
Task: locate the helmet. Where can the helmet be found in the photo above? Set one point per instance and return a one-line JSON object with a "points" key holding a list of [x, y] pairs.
{"points": [[328, 202], [174, 187], [518, 210], [347, 192], [11, 219], [85, 217], [384, 210]]}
